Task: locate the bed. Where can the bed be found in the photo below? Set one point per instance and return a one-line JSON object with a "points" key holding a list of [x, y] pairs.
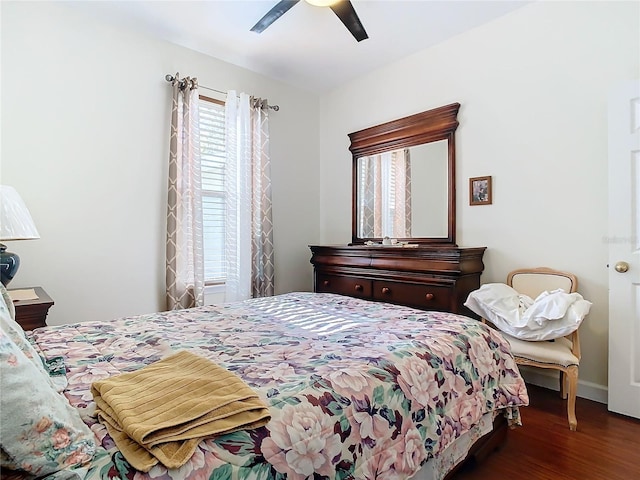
{"points": [[355, 389]]}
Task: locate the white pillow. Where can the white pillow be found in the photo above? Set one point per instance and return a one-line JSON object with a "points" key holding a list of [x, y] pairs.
{"points": [[495, 301], [551, 315], [557, 306]]}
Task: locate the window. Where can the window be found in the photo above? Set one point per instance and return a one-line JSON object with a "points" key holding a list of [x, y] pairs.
{"points": [[384, 195], [212, 157]]}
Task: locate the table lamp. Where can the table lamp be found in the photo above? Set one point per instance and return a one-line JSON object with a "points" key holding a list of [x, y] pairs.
{"points": [[15, 224]]}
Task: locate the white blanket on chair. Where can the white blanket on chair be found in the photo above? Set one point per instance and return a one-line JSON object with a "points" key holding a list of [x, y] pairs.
{"points": [[551, 315]]}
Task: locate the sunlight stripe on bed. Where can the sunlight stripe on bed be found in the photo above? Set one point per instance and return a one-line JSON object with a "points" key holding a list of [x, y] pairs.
{"points": [[310, 320]]}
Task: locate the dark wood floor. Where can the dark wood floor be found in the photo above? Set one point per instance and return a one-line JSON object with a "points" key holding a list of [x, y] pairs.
{"points": [[605, 447]]}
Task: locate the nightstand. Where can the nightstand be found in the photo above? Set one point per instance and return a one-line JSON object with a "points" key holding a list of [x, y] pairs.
{"points": [[32, 314]]}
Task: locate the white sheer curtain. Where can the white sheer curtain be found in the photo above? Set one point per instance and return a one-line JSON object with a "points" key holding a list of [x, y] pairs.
{"points": [[185, 270], [249, 226]]}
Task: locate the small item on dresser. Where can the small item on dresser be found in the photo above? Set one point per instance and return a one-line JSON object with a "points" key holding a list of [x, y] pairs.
{"points": [[386, 241], [25, 294]]}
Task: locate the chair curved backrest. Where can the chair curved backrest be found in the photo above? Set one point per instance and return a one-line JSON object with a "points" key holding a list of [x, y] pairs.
{"points": [[534, 281]]}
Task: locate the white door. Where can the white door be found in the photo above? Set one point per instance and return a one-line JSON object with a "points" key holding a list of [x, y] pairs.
{"points": [[624, 249]]}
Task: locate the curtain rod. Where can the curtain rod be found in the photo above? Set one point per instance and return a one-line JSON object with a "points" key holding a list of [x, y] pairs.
{"points": [[171, 78]]}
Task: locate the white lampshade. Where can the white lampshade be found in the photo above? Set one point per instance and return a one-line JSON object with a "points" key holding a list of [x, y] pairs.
{"points": [[322, 3], [15, 220]]}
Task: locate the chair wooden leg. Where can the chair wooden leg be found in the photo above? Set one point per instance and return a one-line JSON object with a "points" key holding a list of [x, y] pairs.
{"points": [[572, 376]]}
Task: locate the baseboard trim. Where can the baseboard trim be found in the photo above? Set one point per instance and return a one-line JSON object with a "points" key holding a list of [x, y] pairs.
{"points": [[547, 379]]}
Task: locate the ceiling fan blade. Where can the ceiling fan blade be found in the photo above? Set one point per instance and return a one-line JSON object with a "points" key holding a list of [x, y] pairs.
{"points": [[347, 14], [272, 15]]}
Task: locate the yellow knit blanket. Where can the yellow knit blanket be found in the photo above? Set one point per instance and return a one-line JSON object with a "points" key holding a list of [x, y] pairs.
{"points": [[162, 411]]}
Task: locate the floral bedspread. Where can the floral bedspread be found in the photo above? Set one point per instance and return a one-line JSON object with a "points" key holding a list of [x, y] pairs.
{"points": [[356, 389]]}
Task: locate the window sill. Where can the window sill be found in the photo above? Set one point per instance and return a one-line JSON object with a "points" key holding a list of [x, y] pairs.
{"points": [[214, 293]]}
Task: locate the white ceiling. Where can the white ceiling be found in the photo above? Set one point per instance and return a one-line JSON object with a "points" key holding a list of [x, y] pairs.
{"points": [[308, 46]]}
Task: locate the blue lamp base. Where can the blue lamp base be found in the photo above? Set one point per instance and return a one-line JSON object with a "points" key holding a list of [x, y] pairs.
{"points": [[9, 264]]}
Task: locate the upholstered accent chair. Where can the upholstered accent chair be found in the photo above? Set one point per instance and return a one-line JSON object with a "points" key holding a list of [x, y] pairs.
{"points": [[562, 354]]}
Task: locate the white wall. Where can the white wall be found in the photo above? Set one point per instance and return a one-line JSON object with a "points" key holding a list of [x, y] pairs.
{"points": [[85, 136], [533, 88]]}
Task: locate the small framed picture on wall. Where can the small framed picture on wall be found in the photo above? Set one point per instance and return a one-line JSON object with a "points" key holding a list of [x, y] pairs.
{"points": [[480, 191]]}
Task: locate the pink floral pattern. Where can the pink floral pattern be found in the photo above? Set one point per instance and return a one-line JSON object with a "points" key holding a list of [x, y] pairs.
{"points": [[356, 389], [40, 432]]}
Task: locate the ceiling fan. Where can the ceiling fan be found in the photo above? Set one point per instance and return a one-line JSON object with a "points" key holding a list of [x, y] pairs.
{"points": [[342, 8]]}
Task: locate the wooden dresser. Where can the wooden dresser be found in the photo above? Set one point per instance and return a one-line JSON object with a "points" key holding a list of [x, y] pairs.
{"points": [[428, 277]]}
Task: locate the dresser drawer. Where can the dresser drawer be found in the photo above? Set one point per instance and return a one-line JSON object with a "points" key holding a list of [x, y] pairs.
{"points": [[352, 286], [424, 296]]}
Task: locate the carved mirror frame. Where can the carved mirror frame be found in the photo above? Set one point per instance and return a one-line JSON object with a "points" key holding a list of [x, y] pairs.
{"points": [[425, 127]]}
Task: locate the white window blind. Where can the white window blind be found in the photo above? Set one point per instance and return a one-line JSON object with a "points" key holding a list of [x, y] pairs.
{"points": [[212, 155]]}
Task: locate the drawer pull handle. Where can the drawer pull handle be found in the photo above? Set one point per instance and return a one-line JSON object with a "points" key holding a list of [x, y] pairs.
{"points": [[358, 287], [325, 283], [429, 296], [386, 290]]}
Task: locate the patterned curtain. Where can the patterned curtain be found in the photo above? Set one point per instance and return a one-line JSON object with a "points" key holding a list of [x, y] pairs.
{"points": [[402, 219], [185, 259], [262, 268], [249, 225]]}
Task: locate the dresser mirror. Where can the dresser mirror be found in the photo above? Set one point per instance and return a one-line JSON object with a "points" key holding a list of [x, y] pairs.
{"points": [[404, 179]]}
